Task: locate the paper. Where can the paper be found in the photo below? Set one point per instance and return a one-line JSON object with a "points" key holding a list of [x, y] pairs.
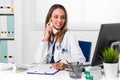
{"points": [[42, 69]]}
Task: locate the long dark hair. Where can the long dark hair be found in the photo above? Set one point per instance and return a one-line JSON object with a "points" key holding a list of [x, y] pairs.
{"points": [[60, 34]]}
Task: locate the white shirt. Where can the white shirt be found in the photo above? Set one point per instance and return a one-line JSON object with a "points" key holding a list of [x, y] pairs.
{"points": [[68, 50]]}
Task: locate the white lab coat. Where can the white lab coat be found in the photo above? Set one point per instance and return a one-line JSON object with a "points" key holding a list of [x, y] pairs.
{"points": [[69, 50]]}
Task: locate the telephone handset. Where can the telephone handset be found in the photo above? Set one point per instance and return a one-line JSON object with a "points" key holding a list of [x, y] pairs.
{"points": [[54, 30]]}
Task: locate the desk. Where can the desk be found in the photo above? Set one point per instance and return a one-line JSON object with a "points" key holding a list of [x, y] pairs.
{"points": [[9, 75], [62, 75]]}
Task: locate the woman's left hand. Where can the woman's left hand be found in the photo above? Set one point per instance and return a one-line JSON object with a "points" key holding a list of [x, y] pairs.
{"points": [[59, 66]]}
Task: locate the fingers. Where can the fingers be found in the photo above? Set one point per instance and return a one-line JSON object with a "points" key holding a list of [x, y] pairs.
{"points": [[59, 66], [48, 31], [48, 28]]}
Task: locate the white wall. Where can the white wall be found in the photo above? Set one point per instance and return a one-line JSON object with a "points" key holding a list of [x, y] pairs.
{"points": [[18, 30], [101, 11], [85, 19], [80, 12]]}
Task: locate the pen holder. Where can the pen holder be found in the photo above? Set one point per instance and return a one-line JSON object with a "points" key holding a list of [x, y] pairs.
{"points": [[75, 70]]}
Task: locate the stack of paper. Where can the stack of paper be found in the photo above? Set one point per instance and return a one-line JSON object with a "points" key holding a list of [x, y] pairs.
{"points": [[5, 66], [45, 69]]}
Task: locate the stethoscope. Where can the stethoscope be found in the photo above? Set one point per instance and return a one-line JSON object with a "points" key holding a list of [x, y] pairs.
{"points": [[58, 46]]}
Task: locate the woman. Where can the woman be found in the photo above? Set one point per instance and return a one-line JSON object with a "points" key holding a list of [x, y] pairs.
{"points": [[58, 45]]}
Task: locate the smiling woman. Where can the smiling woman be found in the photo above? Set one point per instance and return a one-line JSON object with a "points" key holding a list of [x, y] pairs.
{"points": [[60, 45]]}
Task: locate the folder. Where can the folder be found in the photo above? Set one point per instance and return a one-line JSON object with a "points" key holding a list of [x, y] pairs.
{"points": [[3, 26], [5, 6], [0, 51], [4, 51], [43, 70], [11, 51], [10, 26], [1, 6]]}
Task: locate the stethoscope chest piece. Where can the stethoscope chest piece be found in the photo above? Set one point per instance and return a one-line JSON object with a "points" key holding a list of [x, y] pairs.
{"points": [[58, 47]]}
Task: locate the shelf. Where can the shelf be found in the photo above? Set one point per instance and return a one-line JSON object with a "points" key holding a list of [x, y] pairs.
{"points": [[6, 38], [6, 14]]}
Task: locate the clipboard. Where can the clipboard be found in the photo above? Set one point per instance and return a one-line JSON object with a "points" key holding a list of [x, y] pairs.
{"points": [[44, 69]]}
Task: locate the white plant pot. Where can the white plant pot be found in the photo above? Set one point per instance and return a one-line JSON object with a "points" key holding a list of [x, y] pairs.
{"points": [[111, 70]]}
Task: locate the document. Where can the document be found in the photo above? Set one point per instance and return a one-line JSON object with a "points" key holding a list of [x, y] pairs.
{"points": [[44, 69]]}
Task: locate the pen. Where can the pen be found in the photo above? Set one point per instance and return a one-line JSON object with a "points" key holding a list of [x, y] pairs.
{"points": [[58, 61], [68, 62]]}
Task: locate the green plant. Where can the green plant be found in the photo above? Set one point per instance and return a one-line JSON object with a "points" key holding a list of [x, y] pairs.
{"points": [[110, 55]]}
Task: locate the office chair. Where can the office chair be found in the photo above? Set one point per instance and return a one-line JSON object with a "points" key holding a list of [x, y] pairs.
{"points": [[86, 49]]}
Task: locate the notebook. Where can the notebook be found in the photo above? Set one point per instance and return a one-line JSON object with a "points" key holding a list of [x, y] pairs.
{"points": [[45, 69]]}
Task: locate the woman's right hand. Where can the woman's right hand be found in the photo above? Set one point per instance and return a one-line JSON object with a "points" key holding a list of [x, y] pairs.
{"points": [[59, 66], [48, 31]]}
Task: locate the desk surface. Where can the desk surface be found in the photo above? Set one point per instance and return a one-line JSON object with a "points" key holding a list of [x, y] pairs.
{"points": [[62, 75]]}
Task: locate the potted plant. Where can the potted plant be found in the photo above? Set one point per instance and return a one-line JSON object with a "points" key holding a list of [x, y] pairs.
{"points": [[110, 59]]}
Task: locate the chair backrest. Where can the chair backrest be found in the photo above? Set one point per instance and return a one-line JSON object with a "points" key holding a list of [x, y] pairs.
{"points": [[86, 49]]}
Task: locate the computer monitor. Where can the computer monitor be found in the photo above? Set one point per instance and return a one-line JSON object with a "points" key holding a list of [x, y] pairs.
{"points": [[108, 33]]}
